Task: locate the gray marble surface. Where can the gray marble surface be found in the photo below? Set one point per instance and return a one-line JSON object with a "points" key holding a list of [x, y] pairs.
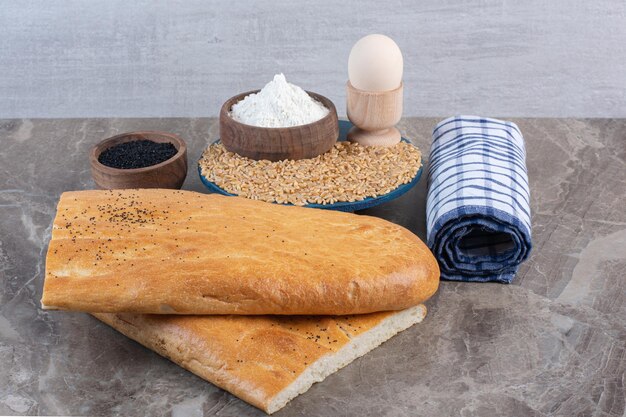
{"points": [[552, 343]]}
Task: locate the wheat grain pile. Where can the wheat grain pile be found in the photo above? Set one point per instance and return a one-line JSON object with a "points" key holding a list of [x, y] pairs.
{"points": [[348, 172]]}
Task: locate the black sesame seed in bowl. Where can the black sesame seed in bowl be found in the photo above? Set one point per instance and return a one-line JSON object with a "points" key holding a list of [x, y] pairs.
{"points": [[137, 154], [139, 160]]}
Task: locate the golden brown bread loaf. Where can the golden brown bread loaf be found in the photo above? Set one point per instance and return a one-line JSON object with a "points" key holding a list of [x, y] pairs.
{"points": [[264, 360], [180, 252]]}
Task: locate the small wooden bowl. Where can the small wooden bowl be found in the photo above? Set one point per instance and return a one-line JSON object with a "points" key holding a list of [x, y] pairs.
{"points": [[278, 143], [168, 174]]}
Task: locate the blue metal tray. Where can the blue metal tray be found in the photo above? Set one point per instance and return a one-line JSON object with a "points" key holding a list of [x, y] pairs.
{"points": [[368, 202]]}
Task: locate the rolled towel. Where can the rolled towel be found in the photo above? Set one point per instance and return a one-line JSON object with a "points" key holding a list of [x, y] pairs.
{"points": [[478, 204]]}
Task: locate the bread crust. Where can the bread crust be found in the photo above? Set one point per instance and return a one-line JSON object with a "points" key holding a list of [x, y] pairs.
{"points": [[181, 252], [253, 357]]}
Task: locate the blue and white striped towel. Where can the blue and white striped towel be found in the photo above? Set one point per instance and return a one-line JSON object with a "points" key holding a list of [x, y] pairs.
{"points": [[478, 204]]}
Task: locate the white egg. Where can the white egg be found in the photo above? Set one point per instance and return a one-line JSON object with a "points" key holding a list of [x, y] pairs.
{"points": [[375, 64]]}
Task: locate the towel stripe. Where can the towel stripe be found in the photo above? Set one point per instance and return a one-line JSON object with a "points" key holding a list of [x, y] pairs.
{"points": [[480, 151], [476, 179], [504, 174], [472, 121], [460, 141]]}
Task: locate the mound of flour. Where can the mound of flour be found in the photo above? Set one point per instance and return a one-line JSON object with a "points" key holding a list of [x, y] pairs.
{"points": [[278, 104]]}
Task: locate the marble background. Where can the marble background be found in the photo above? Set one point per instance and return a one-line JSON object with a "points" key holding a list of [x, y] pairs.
{"points": [[146, 58], [551, 344]]}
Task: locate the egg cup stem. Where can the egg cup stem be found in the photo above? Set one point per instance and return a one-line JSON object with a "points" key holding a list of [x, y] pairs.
{"points": [[383, 137]]}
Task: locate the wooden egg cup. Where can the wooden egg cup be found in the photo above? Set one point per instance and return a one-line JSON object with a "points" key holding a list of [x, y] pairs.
{"points": [[374, 115]]}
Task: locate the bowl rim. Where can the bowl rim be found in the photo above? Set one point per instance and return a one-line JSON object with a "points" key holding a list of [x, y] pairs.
{"points": [[326, 102], [175, 140]]}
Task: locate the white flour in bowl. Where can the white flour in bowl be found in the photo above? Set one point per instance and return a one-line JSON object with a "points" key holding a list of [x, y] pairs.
{"points": [[278, 104]]}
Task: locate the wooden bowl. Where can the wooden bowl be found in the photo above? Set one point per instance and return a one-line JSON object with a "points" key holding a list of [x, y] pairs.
{"points": [[167, 174], [278, 143]]}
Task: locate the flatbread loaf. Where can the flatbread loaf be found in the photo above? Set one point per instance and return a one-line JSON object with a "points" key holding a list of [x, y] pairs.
{"points": [[181, 252], [264, 360]]}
